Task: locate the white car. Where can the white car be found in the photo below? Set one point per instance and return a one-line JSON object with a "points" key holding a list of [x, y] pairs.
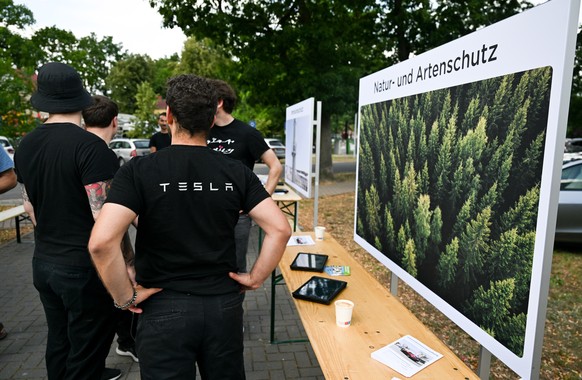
{"points": [[126, 149], [569, 222], [7, 145], [277, 146]]}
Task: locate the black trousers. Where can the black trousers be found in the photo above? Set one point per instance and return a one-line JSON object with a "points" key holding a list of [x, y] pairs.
{"points": [[80, 319], [178, 331]]}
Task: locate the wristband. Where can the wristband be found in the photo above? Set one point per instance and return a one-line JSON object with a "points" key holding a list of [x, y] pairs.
{"points": [[129, 303]]}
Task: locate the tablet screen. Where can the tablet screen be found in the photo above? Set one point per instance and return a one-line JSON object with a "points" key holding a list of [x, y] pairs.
{"points": [[320, 289], [309, 261]]}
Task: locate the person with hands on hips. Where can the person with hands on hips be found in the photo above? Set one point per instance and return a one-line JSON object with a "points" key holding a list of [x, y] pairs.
{"points": [[187, 196]]}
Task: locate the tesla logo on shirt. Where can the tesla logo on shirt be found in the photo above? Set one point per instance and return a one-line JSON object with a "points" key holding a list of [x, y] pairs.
{"points": [[196, 186]]}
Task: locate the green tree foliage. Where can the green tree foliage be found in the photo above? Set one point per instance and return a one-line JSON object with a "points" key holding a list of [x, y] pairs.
{"points": [[205, 58], [164, 69], [460, 189], [409, 259], [146, 123], [474, 246], [422, 216], [447, 267], [125, 77], [91, 56], [491, 309], [288, 51], [17, 63]]}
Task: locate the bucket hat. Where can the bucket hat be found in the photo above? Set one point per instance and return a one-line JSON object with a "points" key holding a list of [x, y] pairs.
{"points": [[59, 90]]}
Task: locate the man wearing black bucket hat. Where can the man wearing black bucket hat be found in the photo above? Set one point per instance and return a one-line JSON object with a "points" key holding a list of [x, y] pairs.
{"points": [[65, 173]]}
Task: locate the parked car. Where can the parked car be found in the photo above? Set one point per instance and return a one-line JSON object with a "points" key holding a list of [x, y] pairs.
{"points": [[126, 149], [125, 124], [7, 145], [277, 146], [569, 222], [573, 150]]}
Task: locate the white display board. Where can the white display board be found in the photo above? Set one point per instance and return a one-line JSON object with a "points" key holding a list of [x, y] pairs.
{"points": [[299, 145], [459, 164]]}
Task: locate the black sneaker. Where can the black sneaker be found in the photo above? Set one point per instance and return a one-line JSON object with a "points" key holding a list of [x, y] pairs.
{"points": [[129, 351], [111, 374]]}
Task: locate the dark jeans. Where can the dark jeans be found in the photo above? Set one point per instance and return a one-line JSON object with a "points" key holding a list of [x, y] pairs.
{"points": [[176, 331], [79, 314], [126, 328], [241, 237]]}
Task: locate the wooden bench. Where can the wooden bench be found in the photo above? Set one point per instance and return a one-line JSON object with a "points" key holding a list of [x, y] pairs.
{"points": [[19, 215], [378, 320]]}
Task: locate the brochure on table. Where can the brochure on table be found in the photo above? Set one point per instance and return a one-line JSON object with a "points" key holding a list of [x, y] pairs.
{"points": [[406, 356], [300, 240]]}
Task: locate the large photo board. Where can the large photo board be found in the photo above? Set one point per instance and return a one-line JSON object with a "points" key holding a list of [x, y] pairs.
{"points": [[458, 174], [298, 144]]}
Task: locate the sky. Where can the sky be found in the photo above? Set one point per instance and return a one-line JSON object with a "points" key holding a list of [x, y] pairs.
{"points": [[133, 23]]}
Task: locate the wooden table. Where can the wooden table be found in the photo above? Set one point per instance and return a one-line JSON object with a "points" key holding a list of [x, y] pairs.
{"points": [[378, 320], [287, 200]]}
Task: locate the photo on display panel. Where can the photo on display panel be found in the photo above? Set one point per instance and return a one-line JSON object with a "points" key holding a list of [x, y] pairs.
{"points": [[448, 189]]}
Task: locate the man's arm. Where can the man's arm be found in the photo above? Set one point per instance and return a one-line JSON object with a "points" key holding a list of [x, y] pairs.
{"points": [[97, 193], [277, 232], [105, 249], [275, 169], [7, 180], [27, 205]]}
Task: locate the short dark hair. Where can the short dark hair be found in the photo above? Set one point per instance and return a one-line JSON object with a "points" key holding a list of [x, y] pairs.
{"points": [[101, 112], [226, 93], [192, 101], [161, 114]]}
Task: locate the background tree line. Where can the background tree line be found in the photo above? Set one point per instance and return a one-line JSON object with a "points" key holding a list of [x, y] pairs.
{"points": [[449, 187], [273, 53]]}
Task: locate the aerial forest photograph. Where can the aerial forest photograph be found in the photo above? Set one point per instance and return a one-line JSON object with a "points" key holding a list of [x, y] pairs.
{"points": [[448, 189]]}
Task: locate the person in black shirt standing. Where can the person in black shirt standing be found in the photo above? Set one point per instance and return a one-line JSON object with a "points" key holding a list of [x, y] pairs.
{"points": [[161, 139], [242, 142], [65, 173], [188, 199], [101, 119]]}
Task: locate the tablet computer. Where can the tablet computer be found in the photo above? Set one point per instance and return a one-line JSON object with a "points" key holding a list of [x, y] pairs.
{"points": [[320, 289], [314, 262]]}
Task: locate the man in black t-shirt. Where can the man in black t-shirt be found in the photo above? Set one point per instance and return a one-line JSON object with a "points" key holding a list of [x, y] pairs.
{"points": [[187, 198], [242, 142], [101, 120], [65, 173], [161, 139]]}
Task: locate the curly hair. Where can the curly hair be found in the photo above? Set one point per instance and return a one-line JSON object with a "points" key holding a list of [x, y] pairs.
{"points": [[192, 101]]}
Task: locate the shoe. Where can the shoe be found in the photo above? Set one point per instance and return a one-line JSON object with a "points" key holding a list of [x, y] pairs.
{"points": [[111, 374], [130, 351], [3, 332]]}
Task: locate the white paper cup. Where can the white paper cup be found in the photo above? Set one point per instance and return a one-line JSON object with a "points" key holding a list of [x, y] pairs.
{"points": [[319, 232], [343, 313]]}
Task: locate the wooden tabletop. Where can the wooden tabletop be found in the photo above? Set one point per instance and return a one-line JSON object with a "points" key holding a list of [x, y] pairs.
{"points": [[289, 196], [378, 320]]}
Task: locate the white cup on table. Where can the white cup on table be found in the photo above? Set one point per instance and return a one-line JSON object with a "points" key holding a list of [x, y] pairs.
{"points": [[343, 313], [319, 232]]}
